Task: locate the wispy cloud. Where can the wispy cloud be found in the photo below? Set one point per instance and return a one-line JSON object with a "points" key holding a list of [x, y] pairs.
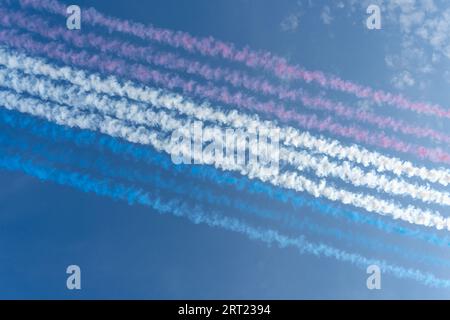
{"points": [[403, 80], [423, 28], [291, 22], [325, 15]]}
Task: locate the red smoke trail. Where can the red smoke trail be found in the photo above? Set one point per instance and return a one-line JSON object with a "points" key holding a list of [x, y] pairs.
{"points": [[141, 73], [236, 78], [255, 59]]}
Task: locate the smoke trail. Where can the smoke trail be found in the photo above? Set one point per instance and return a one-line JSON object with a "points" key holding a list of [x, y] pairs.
{"points": [[254, 59], [33, 23], [331, 147], [151, 177], [141, 73], [132, 195], [138, 113], [91, 139], [156, 181], [289, 180]]}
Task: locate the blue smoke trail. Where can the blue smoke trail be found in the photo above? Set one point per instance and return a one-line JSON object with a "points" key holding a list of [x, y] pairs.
{"points": [[195, 214], [156, 180], [86, 138]]}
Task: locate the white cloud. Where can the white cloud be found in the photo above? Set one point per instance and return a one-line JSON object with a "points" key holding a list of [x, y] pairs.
{"points": [[403, 80], [423, 31], [325, 15], [291, 22]]}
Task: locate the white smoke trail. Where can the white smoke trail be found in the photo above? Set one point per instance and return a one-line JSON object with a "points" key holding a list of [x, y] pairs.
{"points": [[288, 135], [74, 117], [139, 113]]}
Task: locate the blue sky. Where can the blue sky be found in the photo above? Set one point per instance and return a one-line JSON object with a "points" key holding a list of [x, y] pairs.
{"points": [[131, 252]]}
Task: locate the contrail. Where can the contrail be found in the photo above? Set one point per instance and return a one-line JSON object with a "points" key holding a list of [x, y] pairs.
{"points": [[196, 214], [139, 113], [289, 135], [151, 177], [236, 78], [317, 251], [91, 139], [143, 74], [254, 59], [156, 180], [289, 180]]}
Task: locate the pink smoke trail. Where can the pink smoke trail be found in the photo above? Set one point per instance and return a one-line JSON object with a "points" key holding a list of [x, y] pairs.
{"points": [[254, 59], [141, 73], [171, 61]]}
